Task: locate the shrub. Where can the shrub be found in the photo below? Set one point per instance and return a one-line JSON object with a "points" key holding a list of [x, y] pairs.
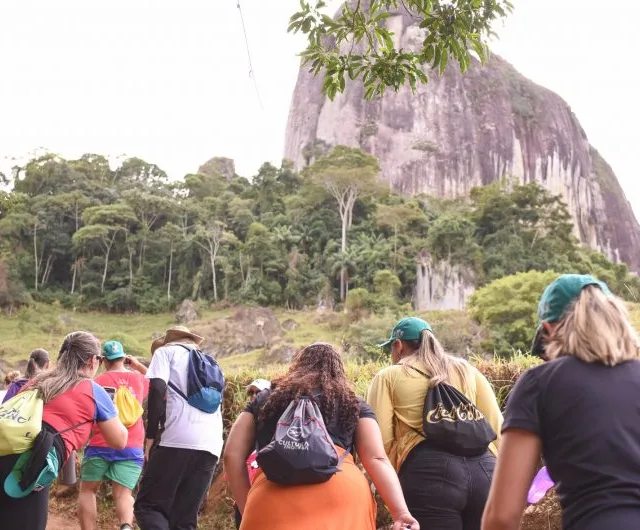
{"points": [[508, 307]]}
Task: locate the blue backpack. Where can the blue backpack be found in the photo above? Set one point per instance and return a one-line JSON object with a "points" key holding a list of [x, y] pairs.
{"points": [[205, 382]]}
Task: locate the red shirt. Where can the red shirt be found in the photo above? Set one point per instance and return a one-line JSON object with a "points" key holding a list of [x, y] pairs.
{"points": [[75, 406], [139, 387]]}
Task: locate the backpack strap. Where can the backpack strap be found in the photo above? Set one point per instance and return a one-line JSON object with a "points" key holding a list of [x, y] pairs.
{"points": [[419, 371], [73, 427], [344, 455], [173, 386], [177, 391]]}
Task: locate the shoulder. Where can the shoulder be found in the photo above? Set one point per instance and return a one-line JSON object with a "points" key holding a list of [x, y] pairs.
{"points": [[254, 406], [365, 410], [393, 372]]}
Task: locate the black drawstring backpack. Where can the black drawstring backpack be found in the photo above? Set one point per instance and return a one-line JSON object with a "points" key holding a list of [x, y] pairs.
{"points": [[452, 423], [301, 451]]}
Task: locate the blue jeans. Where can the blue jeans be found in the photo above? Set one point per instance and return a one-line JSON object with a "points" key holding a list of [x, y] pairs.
{"points": [[444, 491]]}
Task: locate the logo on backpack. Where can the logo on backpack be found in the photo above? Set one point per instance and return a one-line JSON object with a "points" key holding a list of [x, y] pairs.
{"points": [[205, 382], [301, 451], [452, 423], [20, 422]]}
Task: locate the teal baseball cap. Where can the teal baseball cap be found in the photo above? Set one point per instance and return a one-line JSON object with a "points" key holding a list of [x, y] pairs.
{"points": [[557, 298], [409, 328], [43, 479], [113, 350]]}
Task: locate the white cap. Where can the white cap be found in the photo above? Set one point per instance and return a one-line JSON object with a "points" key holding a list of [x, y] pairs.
{"points": [[260, 384]]}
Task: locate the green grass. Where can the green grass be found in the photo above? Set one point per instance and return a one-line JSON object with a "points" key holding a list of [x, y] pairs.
{"points": [[45, 326]]}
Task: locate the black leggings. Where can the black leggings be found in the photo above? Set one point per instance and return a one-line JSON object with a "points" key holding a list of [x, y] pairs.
{"points": [[29, 512], [444, 491]]}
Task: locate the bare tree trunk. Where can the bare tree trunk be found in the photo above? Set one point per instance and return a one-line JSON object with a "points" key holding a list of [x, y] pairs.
{"points": [[106, 261], [130, 269], [35, 254], [170, 272], [343, 248], [212, 258], [47, 270], [73, 278]]}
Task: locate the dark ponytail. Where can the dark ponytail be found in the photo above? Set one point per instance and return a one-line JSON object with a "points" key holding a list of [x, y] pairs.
{"points": [[38, 360]]}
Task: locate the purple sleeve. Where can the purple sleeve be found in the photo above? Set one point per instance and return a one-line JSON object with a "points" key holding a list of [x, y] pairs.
{"points": [[14, 388]]}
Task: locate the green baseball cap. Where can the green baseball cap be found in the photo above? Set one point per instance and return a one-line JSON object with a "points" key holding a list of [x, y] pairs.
{"points": [[46, 476], [113, 350], [409, 328], [557, 298]]}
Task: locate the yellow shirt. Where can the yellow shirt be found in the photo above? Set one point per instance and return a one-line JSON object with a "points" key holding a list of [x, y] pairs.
{"points": [[397, 397]]}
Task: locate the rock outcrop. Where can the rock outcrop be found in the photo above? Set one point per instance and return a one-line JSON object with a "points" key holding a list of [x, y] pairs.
{"points": [[441, 285], [249, 329], [219, 165], [460, 131], [187, 312]]}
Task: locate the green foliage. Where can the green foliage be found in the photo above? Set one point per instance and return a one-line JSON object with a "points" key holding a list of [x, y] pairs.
{"points": [[126, 239], [358, 44], [508, 307]]}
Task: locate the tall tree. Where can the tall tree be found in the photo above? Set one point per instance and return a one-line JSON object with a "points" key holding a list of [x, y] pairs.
{"points": [[102, 226], [347, 174]]}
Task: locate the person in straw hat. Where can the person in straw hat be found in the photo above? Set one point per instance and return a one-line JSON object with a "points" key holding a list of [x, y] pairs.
{"points": [[179, 470]]}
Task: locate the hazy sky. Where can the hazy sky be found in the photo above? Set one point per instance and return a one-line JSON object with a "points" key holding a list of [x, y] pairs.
{"points": [[168, 81]]}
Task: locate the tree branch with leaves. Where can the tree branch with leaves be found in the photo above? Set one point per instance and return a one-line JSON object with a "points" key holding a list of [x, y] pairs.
{"points": [[357, 44]]}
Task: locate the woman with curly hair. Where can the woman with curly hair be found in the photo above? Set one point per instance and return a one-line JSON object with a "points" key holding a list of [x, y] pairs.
{"points": [[345, 500], [579, 410]]}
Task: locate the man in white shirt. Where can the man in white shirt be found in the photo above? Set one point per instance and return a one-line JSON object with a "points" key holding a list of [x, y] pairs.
{"points": [[179, 470]]}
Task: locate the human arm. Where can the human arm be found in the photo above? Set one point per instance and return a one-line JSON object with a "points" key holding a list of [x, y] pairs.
{"points": [[370, 449], [136, 365], [518, 457], [240, 443], [106, 417], [158, 376], [156, 406], [487, 402], [517, 461], [379, 398]]}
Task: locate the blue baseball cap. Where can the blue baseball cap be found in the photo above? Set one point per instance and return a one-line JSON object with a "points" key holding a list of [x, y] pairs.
{"points": [[46, 476], [113, 350]]}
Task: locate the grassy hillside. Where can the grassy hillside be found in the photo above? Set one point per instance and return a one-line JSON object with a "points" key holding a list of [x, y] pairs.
{"points": [[45, 326]]}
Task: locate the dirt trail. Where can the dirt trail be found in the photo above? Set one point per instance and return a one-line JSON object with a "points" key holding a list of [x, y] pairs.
{"points": [[58, 522]]}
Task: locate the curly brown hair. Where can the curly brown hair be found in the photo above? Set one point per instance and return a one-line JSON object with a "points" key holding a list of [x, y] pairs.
{"points": [[318, 367]]}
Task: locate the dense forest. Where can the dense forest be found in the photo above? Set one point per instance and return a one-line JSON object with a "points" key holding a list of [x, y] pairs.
{"points": [[91, 237]]}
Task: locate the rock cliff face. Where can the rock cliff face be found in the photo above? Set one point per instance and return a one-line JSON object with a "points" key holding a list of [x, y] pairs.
{"points": [[461, 131]]}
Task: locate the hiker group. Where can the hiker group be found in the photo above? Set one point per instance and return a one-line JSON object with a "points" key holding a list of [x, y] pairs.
{"points": [[430, 435]]}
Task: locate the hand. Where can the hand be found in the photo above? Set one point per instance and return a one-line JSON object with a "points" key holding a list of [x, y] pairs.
{"points": [[147, 448], [135, 364], [404, 521]]}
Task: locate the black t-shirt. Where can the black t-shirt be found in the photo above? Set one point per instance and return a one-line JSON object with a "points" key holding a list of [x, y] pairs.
{"points": [[588, 418], [266, 431]]}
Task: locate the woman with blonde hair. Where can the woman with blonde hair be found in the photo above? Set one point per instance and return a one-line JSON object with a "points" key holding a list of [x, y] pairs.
{"points": [[72, 403], [345, 499], [445, 481], [580, 411]]}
